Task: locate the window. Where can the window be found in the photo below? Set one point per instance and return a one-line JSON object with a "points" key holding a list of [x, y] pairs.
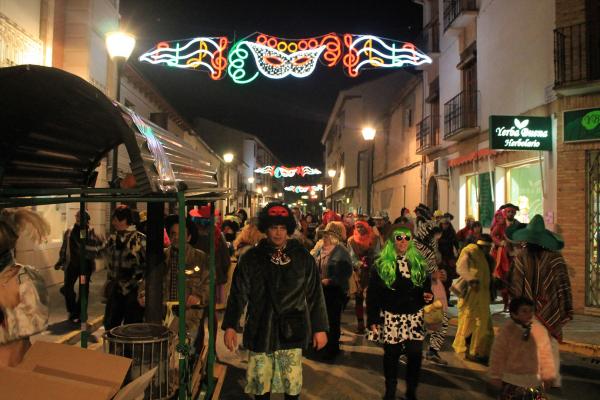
{"points": [[407, 117], [523, 184]]}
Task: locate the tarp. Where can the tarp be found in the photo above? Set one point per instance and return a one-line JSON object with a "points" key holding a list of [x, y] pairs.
{"points": [[55, 128], [476, 155]]}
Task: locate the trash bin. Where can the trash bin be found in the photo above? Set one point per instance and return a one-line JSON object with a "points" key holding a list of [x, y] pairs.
{"points": [[149, 346]]}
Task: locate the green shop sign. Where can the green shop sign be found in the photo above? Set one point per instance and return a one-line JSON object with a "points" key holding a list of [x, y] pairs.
{"points": [[520, 133], [582, 125]]}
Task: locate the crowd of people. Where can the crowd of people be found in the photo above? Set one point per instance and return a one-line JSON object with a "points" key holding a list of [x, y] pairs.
{"points": [[294, 275]]}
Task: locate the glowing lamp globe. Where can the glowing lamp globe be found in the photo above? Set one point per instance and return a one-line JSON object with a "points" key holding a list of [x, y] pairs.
{"points": [[368, 133], [228, 157], [119, 44], [331, 173], [251, 179], [265, 189]]}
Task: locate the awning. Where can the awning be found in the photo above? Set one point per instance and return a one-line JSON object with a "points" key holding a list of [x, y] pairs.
{"points": [[476, 155], [56, 127]]}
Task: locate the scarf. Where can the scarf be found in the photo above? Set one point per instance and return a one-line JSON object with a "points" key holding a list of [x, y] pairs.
{"points": [[279, 257]]}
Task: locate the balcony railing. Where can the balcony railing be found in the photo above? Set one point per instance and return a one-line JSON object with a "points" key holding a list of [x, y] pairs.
{"points": [[460, 113], [577, 54], [454, 8], [428, 134]]}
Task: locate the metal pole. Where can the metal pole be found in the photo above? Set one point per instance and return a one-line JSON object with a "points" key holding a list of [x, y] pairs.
{"points": [[211, 302], [154, 262], [83, 281], [181, 296], [115, 153]]}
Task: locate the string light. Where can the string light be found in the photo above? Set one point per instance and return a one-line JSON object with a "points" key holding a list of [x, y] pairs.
{"points": [[277, 58], [287, 172], [364, 51], [304, 189]]}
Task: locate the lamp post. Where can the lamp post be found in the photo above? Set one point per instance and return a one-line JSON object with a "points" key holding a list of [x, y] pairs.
{"points": [[228, 158], [368, 134], [119, 46]]}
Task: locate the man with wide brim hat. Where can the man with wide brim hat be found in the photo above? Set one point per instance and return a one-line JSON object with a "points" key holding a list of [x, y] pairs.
{"points": [[536, 233], [539, 273]]}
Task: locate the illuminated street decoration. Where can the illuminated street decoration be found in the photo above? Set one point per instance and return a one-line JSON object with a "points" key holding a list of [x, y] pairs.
{"points": [[203, 53], [285, 172], [368, 51], [277, 58], [304, 189]]}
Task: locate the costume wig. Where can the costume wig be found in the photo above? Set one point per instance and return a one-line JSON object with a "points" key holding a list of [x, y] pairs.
{"points": [[386, 262]]}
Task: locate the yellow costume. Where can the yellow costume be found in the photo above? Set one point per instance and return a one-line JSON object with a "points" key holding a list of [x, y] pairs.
{"points": [[474, 318]]}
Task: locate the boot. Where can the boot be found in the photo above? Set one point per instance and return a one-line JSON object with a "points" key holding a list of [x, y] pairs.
{"points": [[390, 390]]}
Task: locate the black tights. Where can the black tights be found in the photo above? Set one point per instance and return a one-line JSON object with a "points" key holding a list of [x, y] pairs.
{"points": [[391, 355], [267, 396]]}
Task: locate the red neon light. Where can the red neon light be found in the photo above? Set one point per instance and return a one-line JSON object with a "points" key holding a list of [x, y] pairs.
{"points": [[350, 59], [219, 62]]}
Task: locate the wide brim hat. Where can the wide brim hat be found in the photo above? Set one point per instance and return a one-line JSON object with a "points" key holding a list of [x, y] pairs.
{"points": [[509, 205], [276, 213], [423, 209], [536, 233]]}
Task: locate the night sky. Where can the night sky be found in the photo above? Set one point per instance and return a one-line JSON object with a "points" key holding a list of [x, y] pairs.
{"points": [[289, 115]]}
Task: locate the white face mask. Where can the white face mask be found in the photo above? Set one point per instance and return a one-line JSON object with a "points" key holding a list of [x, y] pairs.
{"points": [[276, 64]]}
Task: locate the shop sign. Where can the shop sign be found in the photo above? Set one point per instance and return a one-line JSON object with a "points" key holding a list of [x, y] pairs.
{"points": [[520, 133], [582, 125]]}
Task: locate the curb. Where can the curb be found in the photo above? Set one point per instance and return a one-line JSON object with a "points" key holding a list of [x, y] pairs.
{"points": [[73, 337], [567, 346]]}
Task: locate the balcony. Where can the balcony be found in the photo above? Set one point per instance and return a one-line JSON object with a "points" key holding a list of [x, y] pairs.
{"points": [[428, 135], [431, 38], [577, 59], [459, 13], [460, 116]]}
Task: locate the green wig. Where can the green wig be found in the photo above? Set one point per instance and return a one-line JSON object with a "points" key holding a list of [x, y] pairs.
{"points": [[386, 262]]}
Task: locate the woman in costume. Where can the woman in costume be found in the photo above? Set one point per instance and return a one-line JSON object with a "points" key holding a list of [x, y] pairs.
{"points": [[399, 288], [23, 295]]}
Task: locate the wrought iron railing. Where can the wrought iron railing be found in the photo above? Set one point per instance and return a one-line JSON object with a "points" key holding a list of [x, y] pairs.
{"points": [[576, 53], [460, 113], [428, 133], [453, 8]]}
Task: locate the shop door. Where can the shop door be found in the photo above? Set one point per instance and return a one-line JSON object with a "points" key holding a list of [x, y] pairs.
{"points": [[433, 195], [592, 279]]}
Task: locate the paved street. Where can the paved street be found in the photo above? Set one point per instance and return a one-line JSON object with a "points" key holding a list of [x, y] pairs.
{"points": [[357, 374]]}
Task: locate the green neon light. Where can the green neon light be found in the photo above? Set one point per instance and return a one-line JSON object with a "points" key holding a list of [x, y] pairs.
{"points": [[237, 61]]}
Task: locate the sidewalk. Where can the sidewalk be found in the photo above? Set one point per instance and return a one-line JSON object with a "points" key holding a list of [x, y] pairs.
{"points": [[581, 335], [60, 330]]}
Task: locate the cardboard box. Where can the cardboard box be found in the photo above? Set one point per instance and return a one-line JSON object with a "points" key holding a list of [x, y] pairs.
{"points": [[62, 372]]}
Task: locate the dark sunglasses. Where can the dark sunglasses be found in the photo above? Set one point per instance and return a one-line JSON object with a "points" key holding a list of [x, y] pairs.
{"points": [[402, 237]]}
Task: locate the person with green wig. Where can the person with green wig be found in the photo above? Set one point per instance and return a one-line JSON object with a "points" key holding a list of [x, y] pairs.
{"points": [[399, 288]]}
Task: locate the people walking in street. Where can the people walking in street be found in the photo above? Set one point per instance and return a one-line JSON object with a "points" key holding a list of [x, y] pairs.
{"points": [[335, 266], [521, 363], [540, 274], [500, 255], [23, 297], [125, 251], [474, 317], [474, 235], [448, 247], [364, 248], [465, 232], [399, 288], [69, 261], [280, 284], [510, 211], [196, 280], [248, 238]]}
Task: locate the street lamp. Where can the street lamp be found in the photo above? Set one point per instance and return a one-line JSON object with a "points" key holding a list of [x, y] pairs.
{"points": [[331, 173], [265, 189], [368, 133], [251, 180], [228, 157], [119, 46]]}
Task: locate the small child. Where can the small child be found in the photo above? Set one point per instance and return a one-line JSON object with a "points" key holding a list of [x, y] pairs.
{"points": [[521, 364]]}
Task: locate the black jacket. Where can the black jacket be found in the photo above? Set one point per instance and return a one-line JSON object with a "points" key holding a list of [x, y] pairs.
{"points": [[402, 298], [339, 267], [295, 286]]}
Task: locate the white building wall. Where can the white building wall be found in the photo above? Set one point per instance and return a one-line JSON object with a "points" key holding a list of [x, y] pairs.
{"points": [[515, 49], [25, 13]]}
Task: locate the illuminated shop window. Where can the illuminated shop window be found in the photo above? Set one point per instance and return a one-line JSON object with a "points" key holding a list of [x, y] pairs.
{"points": [[524, 184]]}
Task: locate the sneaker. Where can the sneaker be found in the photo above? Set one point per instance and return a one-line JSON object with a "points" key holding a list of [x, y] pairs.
{"points": [[434, 357]]}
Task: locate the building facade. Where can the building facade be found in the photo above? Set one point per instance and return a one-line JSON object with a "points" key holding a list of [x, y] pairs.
{"points": [[519, 60]]}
